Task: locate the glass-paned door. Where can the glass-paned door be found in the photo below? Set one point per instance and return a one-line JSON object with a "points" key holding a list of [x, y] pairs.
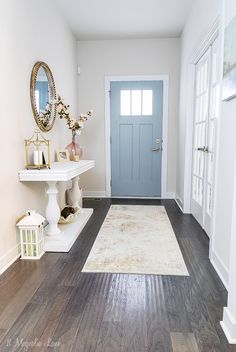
{"points": [[205, 118], [200, 127]]}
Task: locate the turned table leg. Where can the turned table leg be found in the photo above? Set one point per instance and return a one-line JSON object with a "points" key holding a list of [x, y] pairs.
{"points": [[74, 196], [52, 210]]}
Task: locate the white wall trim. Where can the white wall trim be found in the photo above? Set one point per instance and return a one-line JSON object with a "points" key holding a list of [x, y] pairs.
{"points": [[229, 326], [179, 202], [94, 194], [165, 79], [186, 204], [133, 197], [168, 195], [220, 268], [102, 194], [206, 41], [9, 258]]}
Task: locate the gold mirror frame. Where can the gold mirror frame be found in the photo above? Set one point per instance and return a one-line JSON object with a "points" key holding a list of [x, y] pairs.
{"points": [[53, 96]]}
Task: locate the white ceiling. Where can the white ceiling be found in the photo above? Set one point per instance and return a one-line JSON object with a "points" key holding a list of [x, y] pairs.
{"points": [[121, 19]]}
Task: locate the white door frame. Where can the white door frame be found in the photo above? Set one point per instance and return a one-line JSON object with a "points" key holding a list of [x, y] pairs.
{"points": [[165, 79]]}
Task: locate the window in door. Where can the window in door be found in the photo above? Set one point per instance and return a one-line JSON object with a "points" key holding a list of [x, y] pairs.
{"points": [[136, 102]]}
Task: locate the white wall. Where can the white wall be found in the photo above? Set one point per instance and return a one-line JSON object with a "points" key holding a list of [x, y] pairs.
{"points": [[203, 14], [225, 222], [224, 187], [31, 30], [225, 172], [98, 59], [196, 29]]}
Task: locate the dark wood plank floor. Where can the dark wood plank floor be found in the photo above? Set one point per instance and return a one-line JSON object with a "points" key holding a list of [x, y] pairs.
{"points": [[49, 305]]}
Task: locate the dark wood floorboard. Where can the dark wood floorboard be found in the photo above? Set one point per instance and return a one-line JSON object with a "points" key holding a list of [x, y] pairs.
{"points": [[135, 327], [50, 305], [112, 329], [158, 327]]}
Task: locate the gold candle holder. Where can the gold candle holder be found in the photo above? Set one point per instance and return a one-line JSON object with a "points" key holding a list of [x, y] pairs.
{"points": [[37, 150]]}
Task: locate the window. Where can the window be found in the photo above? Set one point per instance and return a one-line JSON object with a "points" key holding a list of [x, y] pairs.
{"points": [[147, 102], [136, 102], [125, 102]]}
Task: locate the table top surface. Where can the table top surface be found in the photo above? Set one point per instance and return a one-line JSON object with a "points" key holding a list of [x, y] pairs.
{"points": [[59, 171]]}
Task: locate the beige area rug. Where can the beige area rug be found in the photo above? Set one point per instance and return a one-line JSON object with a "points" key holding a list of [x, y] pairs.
{"points": [[136, 239]]}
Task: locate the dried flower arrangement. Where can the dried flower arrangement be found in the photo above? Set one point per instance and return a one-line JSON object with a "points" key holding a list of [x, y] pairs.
{"points": [[74, 125]]}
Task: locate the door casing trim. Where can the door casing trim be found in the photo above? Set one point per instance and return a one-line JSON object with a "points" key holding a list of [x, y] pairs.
{"points": [[165, 79]]}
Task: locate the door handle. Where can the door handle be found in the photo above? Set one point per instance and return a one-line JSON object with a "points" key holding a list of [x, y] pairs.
{"points": [[203, 149], [156, 149]]}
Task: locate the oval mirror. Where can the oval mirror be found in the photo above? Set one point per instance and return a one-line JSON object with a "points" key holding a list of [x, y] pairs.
{"points": [[43, 96]]}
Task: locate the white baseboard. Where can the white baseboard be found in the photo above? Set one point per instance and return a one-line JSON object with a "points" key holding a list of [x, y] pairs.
{"points": [[167, 196], [220, 268], [179, 202], [134, 197], [102, 194], [228, 325], [94, 194], [181, 205], [9, 258]]}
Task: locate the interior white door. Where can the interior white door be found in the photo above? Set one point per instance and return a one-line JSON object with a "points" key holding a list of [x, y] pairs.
{"points": [[205, 118], [202, 80]]}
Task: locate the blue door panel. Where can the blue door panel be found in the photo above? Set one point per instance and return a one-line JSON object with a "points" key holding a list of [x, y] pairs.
{"points": [[125, 152], [146, 158], [136, 169]]}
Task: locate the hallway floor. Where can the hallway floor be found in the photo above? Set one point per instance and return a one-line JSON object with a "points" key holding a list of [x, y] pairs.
{"points": [[49, 305]]}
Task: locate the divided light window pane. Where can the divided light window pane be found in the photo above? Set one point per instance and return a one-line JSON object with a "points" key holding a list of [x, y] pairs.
{"points": [[136, 102], [147, 102], [125, 102]]}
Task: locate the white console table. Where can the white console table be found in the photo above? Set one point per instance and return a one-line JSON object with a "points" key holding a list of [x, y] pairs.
{"points": [[60, 238]]}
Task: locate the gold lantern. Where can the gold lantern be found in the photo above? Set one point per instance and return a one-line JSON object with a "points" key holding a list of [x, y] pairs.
{"points": [[37, 150]]}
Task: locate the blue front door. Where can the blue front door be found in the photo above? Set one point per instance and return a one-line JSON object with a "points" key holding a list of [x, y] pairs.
{"points": [[136, 138]]}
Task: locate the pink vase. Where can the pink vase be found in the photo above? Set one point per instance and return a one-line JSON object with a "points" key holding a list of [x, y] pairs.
{"points": [[75, 150]]}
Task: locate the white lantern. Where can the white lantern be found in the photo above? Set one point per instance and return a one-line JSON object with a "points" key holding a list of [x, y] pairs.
{"points": [[31, 235]]}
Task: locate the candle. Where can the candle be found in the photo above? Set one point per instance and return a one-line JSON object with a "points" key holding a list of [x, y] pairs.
{"points": [[36, 157], [40, 153]]}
